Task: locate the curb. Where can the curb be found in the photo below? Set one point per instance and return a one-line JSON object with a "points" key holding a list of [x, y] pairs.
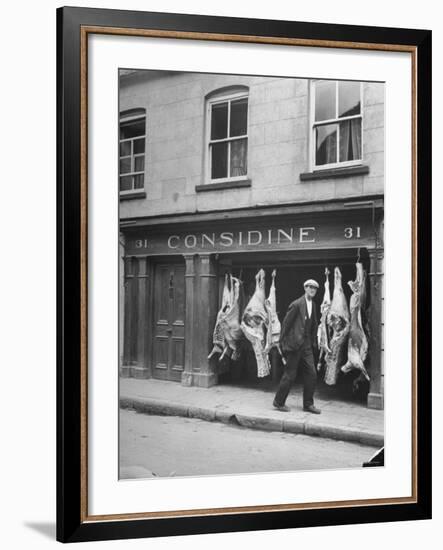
{"points": [[254, 422]]}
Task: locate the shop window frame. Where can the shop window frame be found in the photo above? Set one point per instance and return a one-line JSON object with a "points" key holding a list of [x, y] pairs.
{"points": [[315, 124]]}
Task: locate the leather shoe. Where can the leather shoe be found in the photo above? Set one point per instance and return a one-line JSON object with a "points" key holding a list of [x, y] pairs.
{"points": [[312, 409], [282, 408]]}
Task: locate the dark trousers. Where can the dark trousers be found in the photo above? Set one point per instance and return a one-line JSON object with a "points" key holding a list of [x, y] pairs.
{"points": [[305, 358]]}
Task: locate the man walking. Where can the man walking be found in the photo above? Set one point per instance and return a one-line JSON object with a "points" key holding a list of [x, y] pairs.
{"points": [[298, 339]]}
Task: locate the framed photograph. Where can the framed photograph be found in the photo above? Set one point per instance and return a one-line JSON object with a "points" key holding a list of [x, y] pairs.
{"points": [[244, 274]]}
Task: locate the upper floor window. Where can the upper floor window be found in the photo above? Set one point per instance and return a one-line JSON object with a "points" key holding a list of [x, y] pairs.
{"points": [[337, 123], [228, 136], [132, 150]]}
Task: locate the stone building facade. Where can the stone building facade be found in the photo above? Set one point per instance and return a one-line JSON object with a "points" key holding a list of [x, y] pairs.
{"points": [[228, 173]]}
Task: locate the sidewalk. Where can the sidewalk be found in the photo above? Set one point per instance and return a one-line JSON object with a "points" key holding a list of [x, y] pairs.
{"points": [[252, 408]]}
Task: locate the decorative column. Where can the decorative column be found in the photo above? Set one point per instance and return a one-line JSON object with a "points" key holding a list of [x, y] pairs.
{"points": [[128, 317], [142, 279], [376, 351], [189, 320], [207, 312], [201, 303]]}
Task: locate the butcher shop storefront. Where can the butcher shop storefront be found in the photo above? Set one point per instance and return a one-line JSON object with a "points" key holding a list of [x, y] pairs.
{"points": [[186, 281]]}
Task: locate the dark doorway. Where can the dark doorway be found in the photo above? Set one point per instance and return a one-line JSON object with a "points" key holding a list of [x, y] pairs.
{"points": [[291, 274]]}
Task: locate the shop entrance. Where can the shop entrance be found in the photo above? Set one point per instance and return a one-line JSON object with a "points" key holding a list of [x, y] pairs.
{"points": [[292, 270], [169, 321]]}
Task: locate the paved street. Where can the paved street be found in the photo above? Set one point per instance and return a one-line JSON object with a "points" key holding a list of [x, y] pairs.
{"points": [[252, 407], [176, 446]]}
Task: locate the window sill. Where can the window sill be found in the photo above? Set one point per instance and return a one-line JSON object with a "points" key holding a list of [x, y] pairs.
{"points": [[133, 195], [234, 184], [344, 172]]}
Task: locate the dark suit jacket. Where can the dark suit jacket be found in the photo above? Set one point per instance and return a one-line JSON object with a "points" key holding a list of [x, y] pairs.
{"points": [[292, 333]]}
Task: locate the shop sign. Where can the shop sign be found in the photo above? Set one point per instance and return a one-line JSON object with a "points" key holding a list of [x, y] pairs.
{"points": [[254, 238]]}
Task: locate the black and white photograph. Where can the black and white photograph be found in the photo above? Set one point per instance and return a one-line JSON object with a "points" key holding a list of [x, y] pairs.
{"points": [[219, 232], [251, 267]]}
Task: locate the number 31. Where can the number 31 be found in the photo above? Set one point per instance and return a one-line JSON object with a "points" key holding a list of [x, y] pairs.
{"points": [[349, 232]]}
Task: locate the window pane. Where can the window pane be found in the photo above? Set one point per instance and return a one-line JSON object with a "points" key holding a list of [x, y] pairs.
{"points": [[125, 165], [348, 98], [326, 144], [219, 121], [139, 164], [125, 148], [239, 117], [126, 183], [138, 181], [219, 160], [139, 146], [239, 157], [350, 140], [325, 100], [132, 128]]}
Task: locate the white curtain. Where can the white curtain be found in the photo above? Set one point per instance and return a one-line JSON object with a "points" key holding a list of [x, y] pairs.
{"points": [[350, 140], [239, 157]]}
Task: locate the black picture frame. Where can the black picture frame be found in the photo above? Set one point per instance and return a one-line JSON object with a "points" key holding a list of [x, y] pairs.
{"points": [[72, 525]]}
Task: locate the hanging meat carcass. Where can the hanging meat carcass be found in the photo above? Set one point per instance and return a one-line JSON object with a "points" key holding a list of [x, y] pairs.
{"points": [[218, 338], [357, 343], [255, 325], [323, 331], [274, 327], [230, 321], [365, 315], [338, 322]]}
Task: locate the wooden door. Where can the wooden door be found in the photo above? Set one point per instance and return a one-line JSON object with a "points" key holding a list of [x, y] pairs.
{"points": [[169, 322]]}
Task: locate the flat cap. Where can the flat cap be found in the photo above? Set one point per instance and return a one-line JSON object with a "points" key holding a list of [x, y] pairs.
{"points": [[310, 282]]}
